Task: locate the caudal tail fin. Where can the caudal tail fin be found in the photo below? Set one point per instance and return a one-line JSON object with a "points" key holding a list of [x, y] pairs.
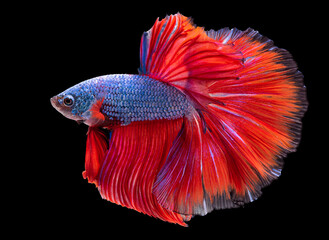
{"points": [[248, 98]]}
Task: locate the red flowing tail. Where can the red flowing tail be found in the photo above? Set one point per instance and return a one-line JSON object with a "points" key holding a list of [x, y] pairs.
{"points": [[248, 99]]}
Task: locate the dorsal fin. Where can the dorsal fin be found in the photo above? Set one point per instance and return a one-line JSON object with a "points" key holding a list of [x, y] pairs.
{"points": [[182, 55]]}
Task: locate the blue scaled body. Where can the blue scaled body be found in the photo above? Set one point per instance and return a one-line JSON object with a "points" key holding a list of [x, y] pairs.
{"points": [[128, 98]]}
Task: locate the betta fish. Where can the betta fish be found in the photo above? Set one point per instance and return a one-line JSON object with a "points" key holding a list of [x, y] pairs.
{"points": [[204, 125]]}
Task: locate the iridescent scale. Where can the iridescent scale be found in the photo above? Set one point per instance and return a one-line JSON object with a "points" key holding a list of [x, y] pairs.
{"points": [[129, 98]]}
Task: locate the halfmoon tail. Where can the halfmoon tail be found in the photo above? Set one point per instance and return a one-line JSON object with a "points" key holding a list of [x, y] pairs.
{"points": [[248, 100]]}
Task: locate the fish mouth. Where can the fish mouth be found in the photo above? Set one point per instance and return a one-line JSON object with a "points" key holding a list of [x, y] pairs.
{"points": [[80, 121], [54, 102]]}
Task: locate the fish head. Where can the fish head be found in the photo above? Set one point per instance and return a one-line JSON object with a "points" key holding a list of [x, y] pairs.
{"points": [[74, 103]]}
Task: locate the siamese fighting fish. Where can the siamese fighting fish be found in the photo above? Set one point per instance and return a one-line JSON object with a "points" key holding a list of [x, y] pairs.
{"points": [[203, 125]]}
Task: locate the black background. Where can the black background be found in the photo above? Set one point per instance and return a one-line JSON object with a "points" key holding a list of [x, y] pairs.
{"points": [[72, 43]]}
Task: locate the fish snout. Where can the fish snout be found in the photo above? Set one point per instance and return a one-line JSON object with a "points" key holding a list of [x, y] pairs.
{"points": [[54, 102]]}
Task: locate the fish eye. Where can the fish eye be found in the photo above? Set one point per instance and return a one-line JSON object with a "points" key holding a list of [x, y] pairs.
{"points": [[68, 100]]}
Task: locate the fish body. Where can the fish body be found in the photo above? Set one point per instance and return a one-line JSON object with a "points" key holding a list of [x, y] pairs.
{"points": [[204, 125], [123, 99]]}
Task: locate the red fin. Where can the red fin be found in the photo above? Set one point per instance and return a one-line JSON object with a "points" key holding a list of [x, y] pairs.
{"points": [[249, 97], [96, 148], [179, 183], [93, 116], [198, 175], [136, 154], [182, 55], [95, 110]]}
